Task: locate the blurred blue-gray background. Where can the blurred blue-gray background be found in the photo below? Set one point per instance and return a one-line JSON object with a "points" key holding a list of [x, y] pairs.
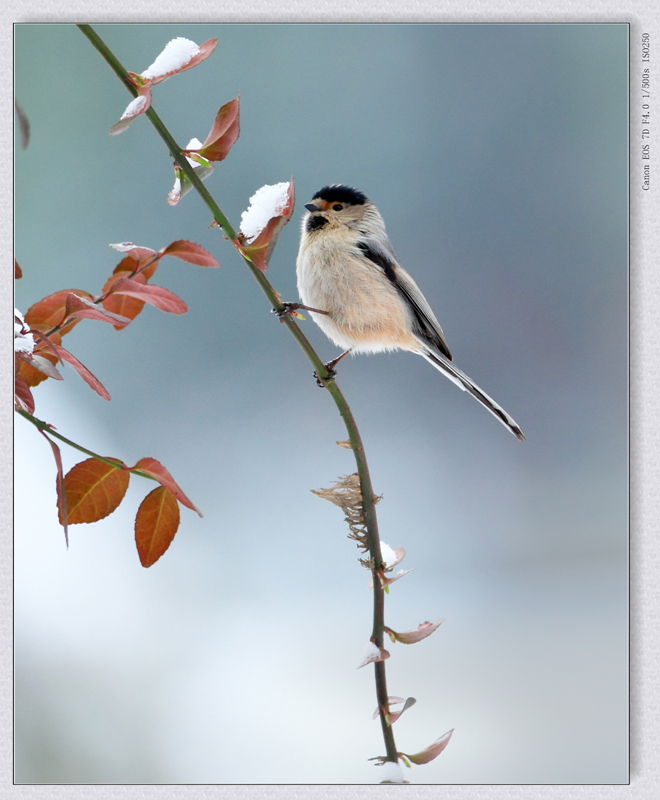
{"points": [[498, 157]]}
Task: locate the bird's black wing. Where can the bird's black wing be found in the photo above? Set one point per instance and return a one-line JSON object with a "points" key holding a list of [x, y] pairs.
{"points": [[426, 326]]}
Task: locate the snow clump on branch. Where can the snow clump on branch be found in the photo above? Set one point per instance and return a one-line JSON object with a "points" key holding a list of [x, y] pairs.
{"points": [[265, 203], [177, 53]]}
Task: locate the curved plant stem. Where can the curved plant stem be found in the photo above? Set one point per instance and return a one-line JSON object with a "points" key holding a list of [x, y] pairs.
{"points": [[368, 502]]}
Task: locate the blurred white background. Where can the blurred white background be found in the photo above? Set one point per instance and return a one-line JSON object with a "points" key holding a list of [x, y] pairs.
{"points": [[498, 157]]}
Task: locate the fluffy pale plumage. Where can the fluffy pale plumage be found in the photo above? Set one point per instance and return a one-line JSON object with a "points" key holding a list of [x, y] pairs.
{"points": [[346, 266]]}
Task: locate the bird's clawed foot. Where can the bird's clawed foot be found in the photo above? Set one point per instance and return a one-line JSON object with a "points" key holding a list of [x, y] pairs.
{"points": [[291, 310], [330, 369], [320, 382]]}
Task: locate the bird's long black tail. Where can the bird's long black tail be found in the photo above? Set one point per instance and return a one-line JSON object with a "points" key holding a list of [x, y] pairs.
{"points": [[463, 382]]}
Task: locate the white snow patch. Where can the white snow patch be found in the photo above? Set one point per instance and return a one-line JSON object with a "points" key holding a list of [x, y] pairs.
{"points": [[23, 325], [193, 144], [389, 556], [24, 344], [391, 772], [23, 341], [134, 107], [371, 651], [123, 247], [177, 54], [265, 203]]}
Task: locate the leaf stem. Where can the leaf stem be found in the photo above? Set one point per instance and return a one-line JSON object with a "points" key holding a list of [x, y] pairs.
{"points": [[368, 502], [47, 429]]}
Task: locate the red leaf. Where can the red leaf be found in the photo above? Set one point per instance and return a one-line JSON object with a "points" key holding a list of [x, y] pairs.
{"points": [[132, 265], [94, 489], [44, 365], [223, 134], [81, 369], [260, 249], [122, 304], [134, 251], [22, 395], [156, 296], [62, 508], [205, 51], [51, 310], [156, 470], [190, 252], [84, 373], [156, 523], [432, 751], [79, 307], [18, 272], [32, 376]]}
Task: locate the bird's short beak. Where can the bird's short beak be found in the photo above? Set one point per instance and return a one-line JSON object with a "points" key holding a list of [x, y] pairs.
{"points": [[311, 207]]}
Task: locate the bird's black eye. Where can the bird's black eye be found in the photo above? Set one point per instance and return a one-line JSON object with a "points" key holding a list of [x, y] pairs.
{"points": [[338, 206]]}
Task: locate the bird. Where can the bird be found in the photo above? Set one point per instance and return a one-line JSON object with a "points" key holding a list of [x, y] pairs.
{"points": [[357, 292]]}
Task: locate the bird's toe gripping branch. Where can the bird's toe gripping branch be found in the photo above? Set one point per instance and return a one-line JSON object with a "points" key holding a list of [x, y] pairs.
{"points": [[291, 310]]}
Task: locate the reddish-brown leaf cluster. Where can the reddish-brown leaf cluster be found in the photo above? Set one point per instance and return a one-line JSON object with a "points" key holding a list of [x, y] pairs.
{"points": [[142, 85], [94, 488], [226, 126], [223, 135], [122, 299]]}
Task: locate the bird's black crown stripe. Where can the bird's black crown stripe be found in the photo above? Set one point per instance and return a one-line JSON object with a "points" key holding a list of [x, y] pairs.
{"points": [[341, 194]]}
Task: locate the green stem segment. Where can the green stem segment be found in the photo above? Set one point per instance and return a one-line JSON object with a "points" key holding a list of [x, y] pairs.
{"points": [[44, 427], [371, 522]]}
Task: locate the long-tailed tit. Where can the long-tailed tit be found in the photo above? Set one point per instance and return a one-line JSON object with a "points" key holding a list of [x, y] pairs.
{"points": [[364, 300]]}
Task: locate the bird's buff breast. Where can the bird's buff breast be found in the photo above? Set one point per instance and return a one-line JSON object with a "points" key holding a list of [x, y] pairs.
{"points": [[365, 311]]}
